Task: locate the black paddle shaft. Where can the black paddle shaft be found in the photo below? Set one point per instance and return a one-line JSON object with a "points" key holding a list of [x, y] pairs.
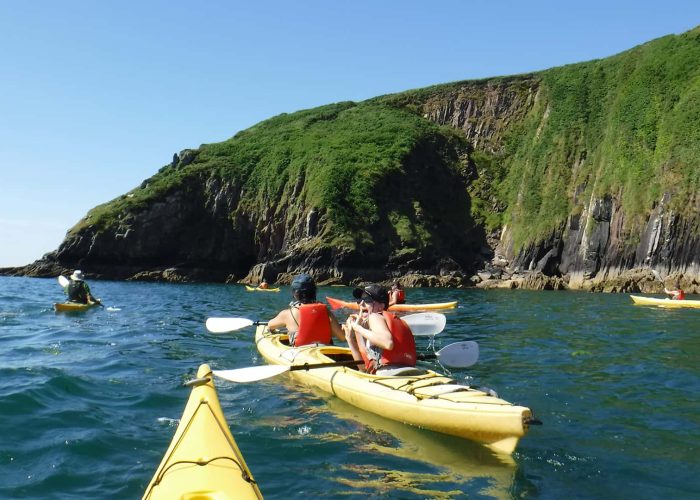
{"points": [[352, 362]]}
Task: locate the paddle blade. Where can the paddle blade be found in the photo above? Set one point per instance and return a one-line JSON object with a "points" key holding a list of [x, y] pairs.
{"points": [[251, 373], [425, 324], [459, 354], [63, 281], [222, 325]]}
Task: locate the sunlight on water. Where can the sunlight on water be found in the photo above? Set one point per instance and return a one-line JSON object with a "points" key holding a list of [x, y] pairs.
{"points": [[90, 401]]}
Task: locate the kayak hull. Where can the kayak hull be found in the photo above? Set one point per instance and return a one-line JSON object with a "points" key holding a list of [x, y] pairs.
{"points": [[72, 306], [203, 460], [666, 303], [256, 289], [428, 400], [337, 304]]}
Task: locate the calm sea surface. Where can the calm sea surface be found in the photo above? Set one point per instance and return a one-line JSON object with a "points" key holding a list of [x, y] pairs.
{"points": [[89, 402]]}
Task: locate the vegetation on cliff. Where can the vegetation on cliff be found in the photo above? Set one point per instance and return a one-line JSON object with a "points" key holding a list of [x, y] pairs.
{"points": [[527, 151], [627, 126], [358, 164]]}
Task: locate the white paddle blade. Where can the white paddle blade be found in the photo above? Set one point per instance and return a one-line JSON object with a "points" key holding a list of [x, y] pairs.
{"points": [[63, 281], [459, 354], [222, 325], [251, 373], [425, 324]]}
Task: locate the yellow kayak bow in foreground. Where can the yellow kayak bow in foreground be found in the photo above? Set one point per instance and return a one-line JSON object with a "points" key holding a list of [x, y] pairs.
{"points": [[203, 461]]}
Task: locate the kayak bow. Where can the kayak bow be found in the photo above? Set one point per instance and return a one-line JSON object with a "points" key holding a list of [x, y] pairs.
{"points": [[203, 460]]}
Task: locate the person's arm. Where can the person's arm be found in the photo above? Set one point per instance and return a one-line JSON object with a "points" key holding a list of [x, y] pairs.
{"points": [[282, 320], [378, 332], [351, 338], [393, 298], [336, 330]]}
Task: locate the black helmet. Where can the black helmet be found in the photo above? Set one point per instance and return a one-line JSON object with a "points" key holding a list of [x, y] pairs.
{"points": [[304, 288], [376, 292]]}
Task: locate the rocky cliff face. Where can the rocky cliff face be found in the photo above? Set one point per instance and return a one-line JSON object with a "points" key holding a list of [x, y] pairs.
{"points": [[207, 229], [581, 172]]}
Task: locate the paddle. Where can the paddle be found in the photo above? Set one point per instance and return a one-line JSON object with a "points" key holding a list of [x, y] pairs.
{"points": [[457, 355], [421, 324], [225, 325], [64, 282]]}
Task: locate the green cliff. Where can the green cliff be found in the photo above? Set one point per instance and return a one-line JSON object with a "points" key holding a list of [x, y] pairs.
{"points": [[580, 172]]}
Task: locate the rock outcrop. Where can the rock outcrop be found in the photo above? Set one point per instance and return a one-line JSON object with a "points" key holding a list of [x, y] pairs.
{"points": [[581, 177]]}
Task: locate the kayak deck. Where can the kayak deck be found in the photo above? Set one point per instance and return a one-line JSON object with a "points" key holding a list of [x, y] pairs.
{"points": [[666, 303], [337, 304], [73, 306], [203, 460], [423, 398]]}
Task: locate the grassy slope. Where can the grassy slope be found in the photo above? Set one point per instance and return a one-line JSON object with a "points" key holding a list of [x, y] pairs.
{"points": [[626, 126], [344, 152]]}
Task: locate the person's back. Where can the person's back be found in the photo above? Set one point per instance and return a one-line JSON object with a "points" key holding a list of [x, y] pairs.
{"points": [[77, 290], [306, 320], [263, 285]]}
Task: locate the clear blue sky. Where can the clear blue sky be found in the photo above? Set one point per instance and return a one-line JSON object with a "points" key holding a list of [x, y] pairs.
{"points": [[96, 96]]}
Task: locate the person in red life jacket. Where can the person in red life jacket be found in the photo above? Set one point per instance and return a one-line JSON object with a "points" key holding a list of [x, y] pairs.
{"points": [[307, 321], [263, 284], [379, 338], [677, 293], [396, 295]]}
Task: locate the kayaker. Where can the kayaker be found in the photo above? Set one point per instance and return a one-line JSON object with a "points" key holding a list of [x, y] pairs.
{"points": [[677, 293], [307, 321], [379, 338], [78, 290], [263, 284], [397, 294]]}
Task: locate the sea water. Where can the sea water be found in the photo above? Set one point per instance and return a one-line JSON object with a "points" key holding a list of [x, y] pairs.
{"points": [[90, 401]]}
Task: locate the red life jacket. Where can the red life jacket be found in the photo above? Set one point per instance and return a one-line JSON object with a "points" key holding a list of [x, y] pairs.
{"points": [[681, 295], [404, 351], [401, 296], [314, 325]]}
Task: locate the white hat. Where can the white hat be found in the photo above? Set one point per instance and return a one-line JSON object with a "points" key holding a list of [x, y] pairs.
{"points": [[77, 275]]}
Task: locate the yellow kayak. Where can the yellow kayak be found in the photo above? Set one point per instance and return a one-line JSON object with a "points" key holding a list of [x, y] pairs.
{"points": [[338, 304], [73, 306], [654, 301], [256, 289], [425, 399], [203, 461]]}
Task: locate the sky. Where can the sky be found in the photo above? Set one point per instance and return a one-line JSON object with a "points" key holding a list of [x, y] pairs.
{"points": [[96, 96]]}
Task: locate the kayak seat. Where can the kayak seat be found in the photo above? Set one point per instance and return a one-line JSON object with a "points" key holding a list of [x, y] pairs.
{"points": [[401, 371]]}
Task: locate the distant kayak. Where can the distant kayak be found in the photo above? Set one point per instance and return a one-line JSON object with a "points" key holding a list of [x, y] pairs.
{"points": [[337, 304], [256, 289], [668, 303], [203, 460], [73, 306]]}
